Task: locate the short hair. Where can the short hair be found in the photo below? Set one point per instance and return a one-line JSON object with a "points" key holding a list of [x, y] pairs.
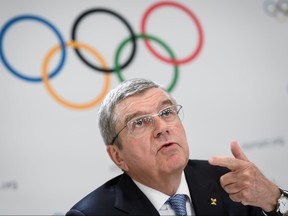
{"points": [[108, 118]]}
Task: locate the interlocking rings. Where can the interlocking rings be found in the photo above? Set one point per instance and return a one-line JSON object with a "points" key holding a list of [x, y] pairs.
{"points": [[194, 18], [122, 45], [76, 45], [102, 10], [277, 9], [60, 99], [38, 19]]}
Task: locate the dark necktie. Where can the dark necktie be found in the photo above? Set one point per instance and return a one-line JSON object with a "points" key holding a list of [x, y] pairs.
{"points": [[178, 203]]}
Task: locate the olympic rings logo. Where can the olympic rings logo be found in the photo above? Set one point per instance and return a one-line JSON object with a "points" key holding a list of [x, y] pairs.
{"points": [[276, 8], [73, 43]]}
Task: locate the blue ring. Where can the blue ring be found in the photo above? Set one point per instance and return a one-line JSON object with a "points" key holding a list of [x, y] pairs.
{"points": [[5, 61]]}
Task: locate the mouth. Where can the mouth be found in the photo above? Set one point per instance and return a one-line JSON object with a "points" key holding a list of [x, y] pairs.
{"points": [[167, 146]]}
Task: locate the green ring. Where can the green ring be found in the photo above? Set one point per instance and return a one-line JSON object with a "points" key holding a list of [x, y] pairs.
{"points": [[144, 36]]}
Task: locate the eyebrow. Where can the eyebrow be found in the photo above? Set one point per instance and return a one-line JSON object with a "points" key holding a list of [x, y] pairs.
{"points": [[141, 113]]}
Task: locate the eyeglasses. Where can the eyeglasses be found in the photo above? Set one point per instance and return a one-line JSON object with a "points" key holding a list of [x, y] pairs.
{"points": [[141, 124]]}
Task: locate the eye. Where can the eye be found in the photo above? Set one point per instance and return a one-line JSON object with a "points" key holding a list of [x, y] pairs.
{"points": [[167, 112], [141, 122], [138, 122]]}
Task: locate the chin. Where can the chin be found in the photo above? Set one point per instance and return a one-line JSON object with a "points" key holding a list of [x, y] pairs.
{"points": [[178, 161]]}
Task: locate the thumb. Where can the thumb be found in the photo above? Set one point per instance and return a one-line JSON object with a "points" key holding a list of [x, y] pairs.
{"points": [[237, 151]]}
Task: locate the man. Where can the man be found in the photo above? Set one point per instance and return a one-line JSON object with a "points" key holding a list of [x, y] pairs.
{"points": [[141, 126]]}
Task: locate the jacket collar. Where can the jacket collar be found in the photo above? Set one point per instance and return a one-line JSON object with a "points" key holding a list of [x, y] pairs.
{"points": [[130, 199]]}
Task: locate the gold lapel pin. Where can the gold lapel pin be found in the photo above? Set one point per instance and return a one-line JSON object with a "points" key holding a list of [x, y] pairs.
{"points": [[213, 201]]}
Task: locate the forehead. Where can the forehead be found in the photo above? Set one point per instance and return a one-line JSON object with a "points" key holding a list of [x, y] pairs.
{"points": [[150, 101]]}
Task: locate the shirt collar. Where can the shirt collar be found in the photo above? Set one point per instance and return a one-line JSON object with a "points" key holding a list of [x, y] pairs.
{"points": [[158, 198]]}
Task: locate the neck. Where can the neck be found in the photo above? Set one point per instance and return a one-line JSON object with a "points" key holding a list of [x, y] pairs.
{"points": [[167, 184]]}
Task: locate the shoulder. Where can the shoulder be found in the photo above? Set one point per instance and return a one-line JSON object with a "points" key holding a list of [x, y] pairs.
{"points": [[119, 196], [100, 199]]}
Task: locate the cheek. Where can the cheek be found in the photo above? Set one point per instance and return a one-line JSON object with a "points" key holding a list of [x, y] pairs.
{"points": [[180, 131], [137, 149], [138, 158]]}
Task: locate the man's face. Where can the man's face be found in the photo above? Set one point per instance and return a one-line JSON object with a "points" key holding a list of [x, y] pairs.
{"points": [[156, 153]]}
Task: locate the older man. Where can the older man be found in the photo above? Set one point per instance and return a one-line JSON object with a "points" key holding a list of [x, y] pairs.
{"points": [[141, 126]]}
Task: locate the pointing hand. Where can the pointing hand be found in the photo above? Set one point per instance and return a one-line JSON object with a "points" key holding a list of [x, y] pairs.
{"points": [[245, 183]]}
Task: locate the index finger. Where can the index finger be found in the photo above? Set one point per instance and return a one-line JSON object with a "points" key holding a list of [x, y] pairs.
{"points": [[228, 162]]}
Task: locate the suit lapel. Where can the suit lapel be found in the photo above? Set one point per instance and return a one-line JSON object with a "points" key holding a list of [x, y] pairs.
{"points": [[130, 199], [206, 198]]}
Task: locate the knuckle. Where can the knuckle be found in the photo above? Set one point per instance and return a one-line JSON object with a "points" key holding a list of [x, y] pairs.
{"points": [[245, 196]]}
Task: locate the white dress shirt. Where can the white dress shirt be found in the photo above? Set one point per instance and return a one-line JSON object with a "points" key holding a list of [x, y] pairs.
{"points": [[158, 199]]}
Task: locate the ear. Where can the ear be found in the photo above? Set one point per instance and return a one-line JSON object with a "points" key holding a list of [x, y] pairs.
{"points": [[116, 156]]}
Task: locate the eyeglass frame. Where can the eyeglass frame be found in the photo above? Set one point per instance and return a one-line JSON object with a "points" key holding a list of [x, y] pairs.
{"points": [[150, 115]]}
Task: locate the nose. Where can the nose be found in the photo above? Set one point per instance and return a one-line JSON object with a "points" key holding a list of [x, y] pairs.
{"points": [[160, 127]]}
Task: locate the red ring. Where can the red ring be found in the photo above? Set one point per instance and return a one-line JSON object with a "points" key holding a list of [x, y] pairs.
{"points": [[190, 13]]}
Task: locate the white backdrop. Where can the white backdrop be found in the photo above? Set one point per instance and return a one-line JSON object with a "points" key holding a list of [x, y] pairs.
{"points": [[236, 88]]}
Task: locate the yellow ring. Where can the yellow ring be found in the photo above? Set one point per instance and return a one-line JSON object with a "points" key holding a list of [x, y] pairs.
{"points": [[56, 96]]}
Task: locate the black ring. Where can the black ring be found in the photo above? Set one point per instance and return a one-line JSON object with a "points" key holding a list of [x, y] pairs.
{"points": [[109, 70]]}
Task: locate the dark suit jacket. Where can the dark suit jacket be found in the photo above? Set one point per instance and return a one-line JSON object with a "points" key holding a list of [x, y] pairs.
{"points": [[120, 196]]}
